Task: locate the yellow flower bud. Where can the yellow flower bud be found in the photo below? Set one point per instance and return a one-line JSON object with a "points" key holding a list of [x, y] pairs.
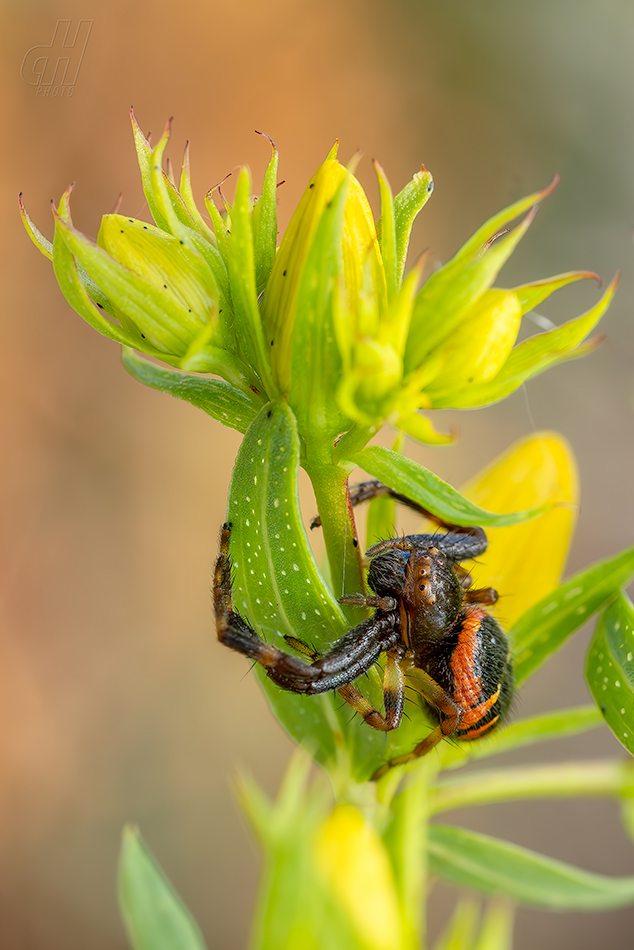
{"points": [[357, 869], [480, 346]]}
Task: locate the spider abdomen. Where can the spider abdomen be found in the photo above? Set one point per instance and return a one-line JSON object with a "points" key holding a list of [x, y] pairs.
{"points": [[472, 665]]}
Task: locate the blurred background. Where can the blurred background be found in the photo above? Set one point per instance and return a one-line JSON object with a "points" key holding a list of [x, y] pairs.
{"points": [[116, 703]]}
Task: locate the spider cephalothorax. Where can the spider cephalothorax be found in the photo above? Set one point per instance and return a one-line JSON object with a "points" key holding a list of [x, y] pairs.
{"points": [[428, 622]]}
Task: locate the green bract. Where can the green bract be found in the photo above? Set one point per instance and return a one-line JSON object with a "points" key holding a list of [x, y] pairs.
{"points": [[213, 296]]}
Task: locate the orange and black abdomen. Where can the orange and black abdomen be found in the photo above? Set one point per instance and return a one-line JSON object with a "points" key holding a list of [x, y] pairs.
{"points": [[472, 665]]}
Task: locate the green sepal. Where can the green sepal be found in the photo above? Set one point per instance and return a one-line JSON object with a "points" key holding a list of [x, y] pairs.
{"points": [[186, 193], [491, 866], [136, 297], [531, 357], [431, 492], [154, 916], [144, 158], [546, 626], [219, 225], [265, 222], [43, 245], [181, 224], [407, 205], [443, 301], [315, 363], [610, 669], [531, 295], [68, 274], [387, 237], [422, 429], [242, 282], [217, 398]]}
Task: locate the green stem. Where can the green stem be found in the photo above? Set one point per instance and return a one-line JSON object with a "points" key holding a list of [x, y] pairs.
{"points": [[406, 839], [330, 484], [572, 779]]}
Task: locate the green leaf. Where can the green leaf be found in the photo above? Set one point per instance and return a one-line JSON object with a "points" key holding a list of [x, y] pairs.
{"points": [[265, 223], [552, 725], [217, 398], [610, 669], [153, 914], [278, 587], [498, 867], [549, 623], [407, 204], [533, 356], [431, 492], [561, 780]]}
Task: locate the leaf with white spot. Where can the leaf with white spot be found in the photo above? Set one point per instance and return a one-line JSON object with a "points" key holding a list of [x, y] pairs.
{"points": [[610, 669], [278, 588], [547, 625]]}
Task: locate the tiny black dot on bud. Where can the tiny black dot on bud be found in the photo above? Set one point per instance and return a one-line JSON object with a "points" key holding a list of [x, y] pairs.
{"points": [[131, 220], [355, 542], [283, 273], [122, 230], [312, 184], [189, 311], [145, 227], [143, 335], [181, 242], [165, 285], [269, 414]]}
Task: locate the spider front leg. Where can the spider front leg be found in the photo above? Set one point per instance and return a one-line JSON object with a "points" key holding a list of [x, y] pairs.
{"points": [[393, 691], [351, 656]]}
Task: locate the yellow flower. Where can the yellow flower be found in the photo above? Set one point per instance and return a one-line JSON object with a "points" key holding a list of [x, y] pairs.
{"points": [[524, 562], [352, 859]]}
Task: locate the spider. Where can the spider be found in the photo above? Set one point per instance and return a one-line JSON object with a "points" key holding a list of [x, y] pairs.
{"points": [[427, 620]]}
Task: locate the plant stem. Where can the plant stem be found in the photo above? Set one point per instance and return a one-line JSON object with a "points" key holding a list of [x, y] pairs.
{"points": [[330, 484], [593, 778]]}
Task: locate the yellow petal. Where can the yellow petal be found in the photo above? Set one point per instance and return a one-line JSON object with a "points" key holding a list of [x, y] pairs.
{"points": [[356, 867], [525, 562]]}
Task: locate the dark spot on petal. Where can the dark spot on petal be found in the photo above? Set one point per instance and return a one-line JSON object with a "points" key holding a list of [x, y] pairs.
{"points": [[122, 230], [189, 311], [312, 184], [145, 227], [165, 285], [131, 220], [269, 414], [143, 335], [271, 342], [181, 242], [283, 273], [355, 542], [100, 305]]}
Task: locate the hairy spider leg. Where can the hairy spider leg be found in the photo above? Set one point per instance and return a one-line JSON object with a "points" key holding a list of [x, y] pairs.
{"points": [[393, 691], [436, 696], [352, 655]]}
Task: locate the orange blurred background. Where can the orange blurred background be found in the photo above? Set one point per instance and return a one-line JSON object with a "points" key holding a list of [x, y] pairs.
{"points": [[116, 703]]}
